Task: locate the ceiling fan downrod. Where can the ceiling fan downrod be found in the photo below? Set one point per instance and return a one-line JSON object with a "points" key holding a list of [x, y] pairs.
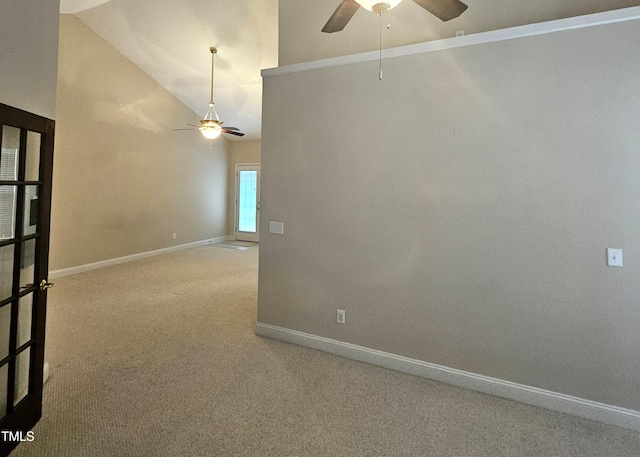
{"points": [[214, 51]]}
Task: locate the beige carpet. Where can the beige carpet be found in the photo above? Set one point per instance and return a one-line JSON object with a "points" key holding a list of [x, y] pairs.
{"points": [[158, 358], [235, 244]]}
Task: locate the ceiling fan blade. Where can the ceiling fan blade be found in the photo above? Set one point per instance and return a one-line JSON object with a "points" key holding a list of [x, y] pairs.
{"points": [[192, 125], [341, 16], [176, 130], [443, 9], [232, 131]]}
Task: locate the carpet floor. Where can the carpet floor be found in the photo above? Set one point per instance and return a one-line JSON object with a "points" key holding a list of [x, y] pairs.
{"points": [[158, 357], [235, 244]]}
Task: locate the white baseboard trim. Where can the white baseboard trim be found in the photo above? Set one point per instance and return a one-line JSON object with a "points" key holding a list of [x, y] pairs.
{"points": [[129, 258], [587, 409]]}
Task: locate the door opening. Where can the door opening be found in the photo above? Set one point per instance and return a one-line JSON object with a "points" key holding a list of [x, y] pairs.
{"points": [[247, 219]]}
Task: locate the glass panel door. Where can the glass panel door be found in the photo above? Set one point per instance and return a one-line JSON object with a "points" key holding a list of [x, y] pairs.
{"points": [[26, 163], [247, 202]]}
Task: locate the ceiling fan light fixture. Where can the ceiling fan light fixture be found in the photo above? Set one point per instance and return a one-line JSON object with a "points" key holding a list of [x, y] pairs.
{"points": [[377, 6], [211, 133], [211, 126]]}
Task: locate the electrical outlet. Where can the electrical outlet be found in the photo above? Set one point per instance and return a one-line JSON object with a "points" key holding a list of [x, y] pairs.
{"points": [[175, 236], [341, 316]]}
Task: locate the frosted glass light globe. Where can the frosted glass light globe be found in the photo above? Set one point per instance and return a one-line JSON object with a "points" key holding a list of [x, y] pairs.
{"points": [[211, 133]]}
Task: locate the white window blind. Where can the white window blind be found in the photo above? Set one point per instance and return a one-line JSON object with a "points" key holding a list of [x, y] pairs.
{"points": [[8, 197]]}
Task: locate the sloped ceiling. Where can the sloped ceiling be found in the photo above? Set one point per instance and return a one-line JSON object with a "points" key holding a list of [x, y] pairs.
{"points": [[75, 6], [170, 39]]}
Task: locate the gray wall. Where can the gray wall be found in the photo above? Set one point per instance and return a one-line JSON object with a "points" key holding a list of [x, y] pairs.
{"points": [[460, 209], [29, 56]]}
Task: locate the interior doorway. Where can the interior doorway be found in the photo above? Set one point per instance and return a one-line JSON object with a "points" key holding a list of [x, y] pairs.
{"points": [[247, 214]]}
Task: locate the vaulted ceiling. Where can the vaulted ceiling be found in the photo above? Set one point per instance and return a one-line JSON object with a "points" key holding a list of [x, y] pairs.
{"points": [[170, 39]]}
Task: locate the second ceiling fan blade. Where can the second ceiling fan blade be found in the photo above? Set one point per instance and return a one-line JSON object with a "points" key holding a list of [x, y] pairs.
{"points": [[443, 9], [232, 131], [341, 16]]}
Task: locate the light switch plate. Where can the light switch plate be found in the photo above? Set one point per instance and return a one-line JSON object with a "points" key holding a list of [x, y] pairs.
{"points": [[614, 257], [276, 227]]}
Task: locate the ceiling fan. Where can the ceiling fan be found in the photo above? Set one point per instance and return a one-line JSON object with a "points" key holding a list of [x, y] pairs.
{"points": [[211, 126], [442, 9]]}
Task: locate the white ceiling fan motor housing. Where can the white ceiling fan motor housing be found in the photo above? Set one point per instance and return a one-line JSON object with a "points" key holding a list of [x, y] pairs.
{"points": [[377, 6]]}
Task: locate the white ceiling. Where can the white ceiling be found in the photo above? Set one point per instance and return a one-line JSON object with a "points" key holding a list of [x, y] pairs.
{"points": [[170, 39], [75, 6]]}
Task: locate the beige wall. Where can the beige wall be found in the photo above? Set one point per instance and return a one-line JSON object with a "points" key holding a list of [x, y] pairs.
{"points": [[124, 182], [242, 152], [460, 209], [300, 22], [29, 56]]}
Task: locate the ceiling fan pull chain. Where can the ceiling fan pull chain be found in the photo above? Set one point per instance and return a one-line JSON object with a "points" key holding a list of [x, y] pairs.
{"points": [[381, 12], [380, 60]]}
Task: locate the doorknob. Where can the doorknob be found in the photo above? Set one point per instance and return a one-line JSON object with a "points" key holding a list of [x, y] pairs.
{"points": [[44, 285]]}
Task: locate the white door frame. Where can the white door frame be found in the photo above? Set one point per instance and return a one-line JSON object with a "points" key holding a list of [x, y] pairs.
{"points": [[247, 236]]}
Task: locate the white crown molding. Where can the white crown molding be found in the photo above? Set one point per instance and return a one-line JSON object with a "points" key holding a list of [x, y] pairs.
{"points": [[541, 28], [555, 401]]}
